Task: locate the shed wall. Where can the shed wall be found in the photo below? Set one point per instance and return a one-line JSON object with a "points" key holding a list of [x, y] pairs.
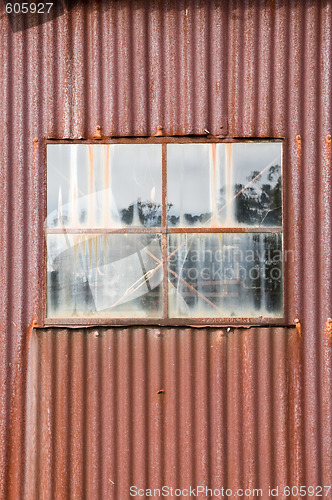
{"points": [[233, 68]]}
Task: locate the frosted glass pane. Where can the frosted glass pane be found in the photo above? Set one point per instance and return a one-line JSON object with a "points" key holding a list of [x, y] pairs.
{"points": [[104, 275], [108, 186], [251, 192], [225, 275], [190, 190], [224, 185]]}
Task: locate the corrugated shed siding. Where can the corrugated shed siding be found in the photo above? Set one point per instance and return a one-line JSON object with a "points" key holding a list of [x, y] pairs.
{"points": [[110, 408], [242, 68]]}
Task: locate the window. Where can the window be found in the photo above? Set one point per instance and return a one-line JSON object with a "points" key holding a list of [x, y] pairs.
{"points": [[164, 230]]}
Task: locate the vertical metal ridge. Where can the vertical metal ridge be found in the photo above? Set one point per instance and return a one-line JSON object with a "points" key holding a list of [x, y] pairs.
{"points": [[172, 428], [264, 411], [325, 258], [71, 401], [200, 401], [311, 299], [234, 412], [250, 414], [280, 409], [296, 434], [5, 248], [140, 445], [218, 408]]}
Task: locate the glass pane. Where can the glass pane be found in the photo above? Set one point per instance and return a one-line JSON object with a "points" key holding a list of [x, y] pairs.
{"points": [[225, 275], [190, 185], [224, 185], [115, 185], [104, 275], [251, 193]]}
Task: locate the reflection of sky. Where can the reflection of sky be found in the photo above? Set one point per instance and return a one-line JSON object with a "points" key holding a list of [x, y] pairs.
{"points": [[133, 173], [189, 178], [192, 184], [249, 157]]}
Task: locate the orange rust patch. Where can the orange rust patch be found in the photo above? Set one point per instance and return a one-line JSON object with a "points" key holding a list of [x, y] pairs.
{"points": [[159, 131], [298, 327], [97, 134], [299, 151], [106, 183], [214, 208], [32, 325], [91, 180], [328, 333]]}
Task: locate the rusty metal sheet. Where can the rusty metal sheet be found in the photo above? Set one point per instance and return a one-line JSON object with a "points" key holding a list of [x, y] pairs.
{"points": [[233, 69], [114, 408]]}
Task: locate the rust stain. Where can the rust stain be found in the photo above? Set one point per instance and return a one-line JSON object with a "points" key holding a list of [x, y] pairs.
{"points": [[159, 132], [298, 327], [327, 153], [229, 163], [91, 187], [328, 333], [299, 152], [89, 241], [97, 134], [106, 183], [33, 324], [214, 221]]}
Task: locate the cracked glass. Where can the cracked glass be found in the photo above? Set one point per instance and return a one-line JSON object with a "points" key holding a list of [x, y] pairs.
{"points": [[164, 231]]}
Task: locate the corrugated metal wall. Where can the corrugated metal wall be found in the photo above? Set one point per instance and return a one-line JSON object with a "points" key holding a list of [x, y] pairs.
{"points": [[113, 408], [235, 68]]}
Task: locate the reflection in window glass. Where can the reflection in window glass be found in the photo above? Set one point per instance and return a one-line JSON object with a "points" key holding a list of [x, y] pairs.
{"points": [[104, 253], [225, 275], [224, 185], [104, 275], [256, 188], [113, 185], [190, 178]]}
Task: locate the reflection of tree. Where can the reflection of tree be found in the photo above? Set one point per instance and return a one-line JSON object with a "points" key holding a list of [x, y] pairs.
{"points": [[173, 220], [260, 204], [194, 219], [233, 273], [149, 213]]}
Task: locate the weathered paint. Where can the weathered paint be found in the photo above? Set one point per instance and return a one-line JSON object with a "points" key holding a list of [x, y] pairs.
{"points": [[230, 69]]}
